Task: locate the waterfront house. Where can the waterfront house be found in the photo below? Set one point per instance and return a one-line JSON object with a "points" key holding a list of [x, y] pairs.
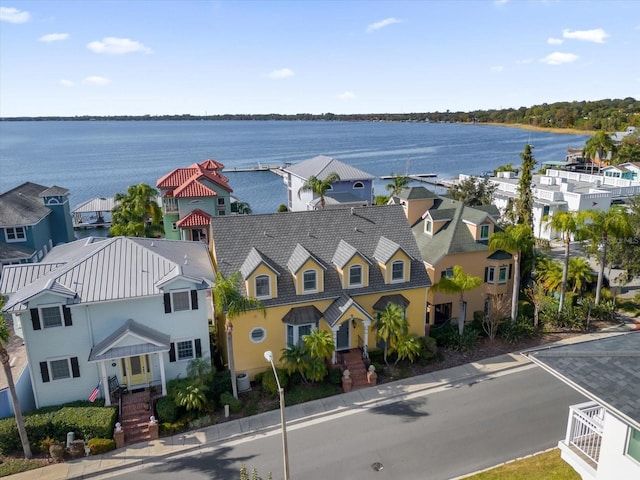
{"points": [[449, 233], [190, 197], [602, 441], [135, 309], [21, 378], [332, 269], [627, 170], [355, 187], [33, 219]]}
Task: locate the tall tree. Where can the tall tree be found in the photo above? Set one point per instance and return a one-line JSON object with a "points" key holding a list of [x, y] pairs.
{"points": [[599, 145], [390, 325], [524, 203], [515, 239], [473, 191], [458, 284], [398, 183], [230, 303], [137, 213], [319, 187], [5, 336], [629, 150], [567, 224], [601, 226]]}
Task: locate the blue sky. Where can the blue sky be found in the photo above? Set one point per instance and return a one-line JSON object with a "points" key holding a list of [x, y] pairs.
{"points": [[138, 57]]}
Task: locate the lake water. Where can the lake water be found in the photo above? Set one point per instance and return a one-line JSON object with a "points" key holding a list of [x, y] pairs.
{"points": [[101, 158]]}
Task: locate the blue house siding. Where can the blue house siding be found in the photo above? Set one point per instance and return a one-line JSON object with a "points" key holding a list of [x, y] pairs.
{"points": [[24, 392]]}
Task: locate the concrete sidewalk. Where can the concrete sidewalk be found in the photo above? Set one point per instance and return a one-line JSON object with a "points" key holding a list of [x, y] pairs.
{"points": [[164, 448]]}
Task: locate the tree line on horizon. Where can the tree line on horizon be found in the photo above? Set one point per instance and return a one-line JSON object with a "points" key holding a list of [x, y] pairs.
{"points": [[608, 115]]}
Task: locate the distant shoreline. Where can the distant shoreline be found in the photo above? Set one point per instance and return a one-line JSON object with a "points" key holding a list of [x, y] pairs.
{"points": [[521, 126]]}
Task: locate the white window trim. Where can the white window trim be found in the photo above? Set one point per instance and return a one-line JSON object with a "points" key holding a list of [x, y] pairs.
{"points": [[173, 303], [41, 314], [255, 286], [174, 226], [491, 275], [15, 233], [57, 359], [356, 285], [264, 334], [221, 202], [296, 332], [628, 444], [310, 290], [193, 349], [428, 231], [404, 273], [506, 274], [488, 231]]}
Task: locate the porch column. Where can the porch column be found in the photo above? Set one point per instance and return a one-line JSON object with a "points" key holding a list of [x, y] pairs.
{"points": [[163, 380], [365, 347], [105, 384], [334, 357]]}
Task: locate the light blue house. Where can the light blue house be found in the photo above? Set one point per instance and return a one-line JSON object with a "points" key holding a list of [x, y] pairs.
{"points": [[355, 188], [132, 308], [33, 219], [21, 379]]}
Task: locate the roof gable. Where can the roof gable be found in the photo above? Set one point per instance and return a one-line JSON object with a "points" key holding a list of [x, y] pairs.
{"points": [[253, 261], [299, 257], [195, 218], [182, 179], [23, 205], [322, 166]]}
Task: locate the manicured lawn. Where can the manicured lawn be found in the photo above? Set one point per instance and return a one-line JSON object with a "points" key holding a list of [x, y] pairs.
{"points": [[544, 466], [9, 465]]}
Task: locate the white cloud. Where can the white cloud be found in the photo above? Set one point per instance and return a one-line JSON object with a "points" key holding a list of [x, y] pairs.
{"points": [[13, 15], [347, 96], [558, 58], [597, 35], [282, 73], [500, 2], [67, 83], [555, 41], [53, 37], [97, 81], [117, 46], [497, 68], [382, 23]]}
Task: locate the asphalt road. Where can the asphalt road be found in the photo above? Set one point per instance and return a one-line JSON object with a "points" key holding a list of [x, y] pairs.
{"points": [[435, 436]]}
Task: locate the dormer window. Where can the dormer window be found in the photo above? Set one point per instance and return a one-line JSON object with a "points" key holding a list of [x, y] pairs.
{"points": [[263, 286], [484, 232], [180, 301], [358, 185], [428, 227], [14, 234], [310, 281], [397, 271], [355, 276]]}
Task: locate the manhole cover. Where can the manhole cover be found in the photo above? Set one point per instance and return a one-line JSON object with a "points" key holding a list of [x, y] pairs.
{"points": [[377, 466]]}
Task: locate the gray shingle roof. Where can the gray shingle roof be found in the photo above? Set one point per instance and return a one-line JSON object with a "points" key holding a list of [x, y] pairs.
{"points": [[322, 166], [96, 270], [22, 205], [415, 193], [606, 370], [386, 249], [335, 311], [254, 260], [331, 236], [54, 191], [298, 258]]}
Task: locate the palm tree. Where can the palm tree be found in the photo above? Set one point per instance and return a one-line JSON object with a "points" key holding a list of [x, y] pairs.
{"points": [[319, 187], [390, 325], [398, 183], [602, 226], [600, 144], [548, 273], [580, 273], [5, 335], [319, 344], [137, 213], [515, 239], [567, 224], [459, 283], [296, 359], [230, 303]]}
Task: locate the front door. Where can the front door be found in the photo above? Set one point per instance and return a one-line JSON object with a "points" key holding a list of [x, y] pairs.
{"points": [[342, 339], [136, 370]]}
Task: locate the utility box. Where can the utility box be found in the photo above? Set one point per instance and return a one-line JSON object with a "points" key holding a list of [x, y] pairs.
{"points": [[244, 385]]}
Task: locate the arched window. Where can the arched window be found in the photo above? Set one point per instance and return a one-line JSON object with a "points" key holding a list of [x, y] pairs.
{"points": [[263, 286], [358, 185], [355, 276], [310, 281]]}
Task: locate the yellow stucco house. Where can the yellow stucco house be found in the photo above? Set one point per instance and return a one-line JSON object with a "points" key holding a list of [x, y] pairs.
{"points": [[448, 233], [333, 269]]}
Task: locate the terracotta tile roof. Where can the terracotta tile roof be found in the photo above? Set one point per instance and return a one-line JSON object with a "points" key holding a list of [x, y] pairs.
{"points": [[196, 218], [180, 176], [211, 164], [193, 188]]}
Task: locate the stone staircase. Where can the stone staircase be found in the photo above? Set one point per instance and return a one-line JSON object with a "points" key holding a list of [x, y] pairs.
{"points": [[352, 360], [136, 411]]}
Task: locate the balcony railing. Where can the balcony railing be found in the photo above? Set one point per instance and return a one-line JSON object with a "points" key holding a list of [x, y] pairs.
{"points": [[584, 432]]}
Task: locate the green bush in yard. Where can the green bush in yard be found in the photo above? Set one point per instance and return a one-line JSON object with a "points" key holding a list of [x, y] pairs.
{"points": [[221, 383], [167, 410], [515, 332], [235, 405], [101, 445], [269, 381], [428, 349]]}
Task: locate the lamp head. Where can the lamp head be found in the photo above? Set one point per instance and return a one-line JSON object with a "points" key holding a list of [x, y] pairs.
{"points": [[268, 356]]}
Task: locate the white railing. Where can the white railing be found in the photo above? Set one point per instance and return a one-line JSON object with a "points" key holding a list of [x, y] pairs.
{"points": [[584, 431]]}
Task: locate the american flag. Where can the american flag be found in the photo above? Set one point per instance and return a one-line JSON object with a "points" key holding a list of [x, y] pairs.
{"points": [[94, 394]]}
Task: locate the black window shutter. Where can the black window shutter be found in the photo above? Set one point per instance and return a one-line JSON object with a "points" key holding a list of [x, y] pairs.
{"points": [[35, 319], [194, 299], [172, 353], [67, 316], [44, 370], [198, 348], [510, 269], [486, 274], [167, 303], [75, 368]]}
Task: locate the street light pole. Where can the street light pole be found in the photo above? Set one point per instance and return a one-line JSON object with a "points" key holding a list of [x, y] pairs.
{"points": [[268, 355]]}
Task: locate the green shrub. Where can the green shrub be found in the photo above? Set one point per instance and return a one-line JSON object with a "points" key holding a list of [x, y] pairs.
{"points": [[171, 428], [167, 410], [514, 332], [443, 334], [221, 383], [101, 445], [269, 384], [235, 405], [428, 349], [335, 376]]}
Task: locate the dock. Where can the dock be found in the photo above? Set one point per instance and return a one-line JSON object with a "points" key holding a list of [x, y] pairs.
{"points": [[94, 213]]}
